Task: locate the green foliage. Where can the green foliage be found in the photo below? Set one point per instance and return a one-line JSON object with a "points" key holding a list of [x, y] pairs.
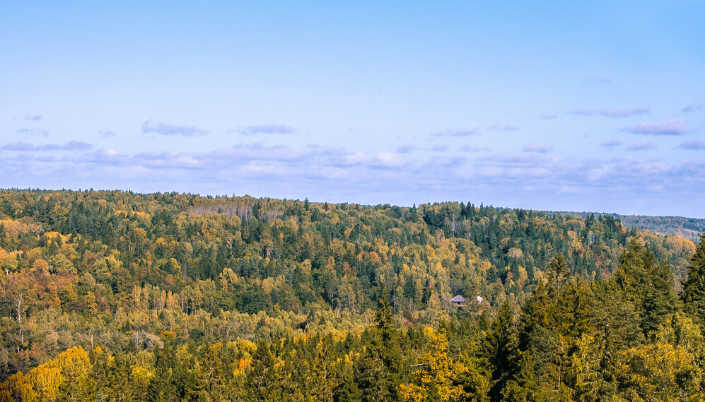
{"points": [[693, 295], [182, 297]]}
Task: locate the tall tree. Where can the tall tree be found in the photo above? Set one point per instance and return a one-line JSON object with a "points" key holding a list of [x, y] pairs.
{"points": [[693, 294], [499, 350]]}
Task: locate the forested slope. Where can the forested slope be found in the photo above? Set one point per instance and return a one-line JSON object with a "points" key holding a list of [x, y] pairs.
{"points": [[689, 228], [122, 296]]}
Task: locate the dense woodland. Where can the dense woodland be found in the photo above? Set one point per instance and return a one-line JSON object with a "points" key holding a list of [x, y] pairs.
{"points": [[689, 228], [116, 296]]}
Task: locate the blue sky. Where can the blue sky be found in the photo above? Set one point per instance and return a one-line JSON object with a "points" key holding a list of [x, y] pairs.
{"points": [[596, 106]]}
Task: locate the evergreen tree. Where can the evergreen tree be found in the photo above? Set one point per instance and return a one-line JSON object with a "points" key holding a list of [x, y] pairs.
{"points": [[693, 294], [499, 350], [162, 387], [370, 377], [347, 390], [262, 384], [389, 347], [661, 300]]}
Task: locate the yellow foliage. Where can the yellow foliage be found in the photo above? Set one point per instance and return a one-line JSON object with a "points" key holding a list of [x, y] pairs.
{"points": [[436, 371], [135, 213], [141, 374], [660, 372], [70, 368], [16, 228], [56, 235]]}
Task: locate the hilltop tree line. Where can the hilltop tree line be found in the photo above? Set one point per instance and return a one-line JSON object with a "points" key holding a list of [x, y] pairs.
{"points": [[123, 296]]}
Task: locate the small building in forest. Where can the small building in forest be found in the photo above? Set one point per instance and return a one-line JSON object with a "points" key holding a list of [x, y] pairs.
{"points": [[458, 300]]}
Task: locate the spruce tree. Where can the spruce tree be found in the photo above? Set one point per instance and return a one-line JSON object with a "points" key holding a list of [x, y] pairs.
{"points": [[499, 350], [370, 378], [661, 300], [261, 380], [389, 349], [162, 387], [693, 294]]}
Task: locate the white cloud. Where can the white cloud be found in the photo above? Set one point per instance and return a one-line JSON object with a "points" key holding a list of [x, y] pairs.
{"points": [[666, 127], [694, 107], [390, 160], [439, 147], [641, 146], [265, 129], [611, 143], [457, 133], [539, 148], [622, 113], [695, 145], [169, 129], [32, 131]]}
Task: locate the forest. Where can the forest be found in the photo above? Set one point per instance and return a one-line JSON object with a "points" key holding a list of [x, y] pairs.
{"points": [[689, 228], [119, 296]]}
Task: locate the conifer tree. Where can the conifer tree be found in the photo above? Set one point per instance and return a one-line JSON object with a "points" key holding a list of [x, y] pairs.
{"points": [[389, 348], [347, 390], [262, 378], [162, 388], [693, 294], [370, 377], [661, 300], [499, 350]]}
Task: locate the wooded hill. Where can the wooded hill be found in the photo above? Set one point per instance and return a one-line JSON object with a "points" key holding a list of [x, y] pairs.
{"points": [[689, 228], [123, 296]]}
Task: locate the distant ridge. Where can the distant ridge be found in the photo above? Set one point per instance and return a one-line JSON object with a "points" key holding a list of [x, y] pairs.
{"points": [[689, 228]]}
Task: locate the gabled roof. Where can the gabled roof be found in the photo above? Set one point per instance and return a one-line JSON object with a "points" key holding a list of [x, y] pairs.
{"points": [[458, 299]]}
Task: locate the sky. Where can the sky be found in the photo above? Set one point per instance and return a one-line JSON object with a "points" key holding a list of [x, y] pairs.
{"points": [[550, 105]]}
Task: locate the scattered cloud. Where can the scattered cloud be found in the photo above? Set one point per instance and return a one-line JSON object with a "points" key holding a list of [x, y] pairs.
{"points": [[279, 171], [446, 162], [405, 149], [549, 116], [666, 127], [168, 129], [439, 147], [641, 146], [538, 148], [622, 113], [457, 133], [611, 143], [106, 134], [695, 145], [265, 129], [69, 146], [468, 148], [106, 156], [259, 145], [17, 146], [506, 127], [581, 112], [695, 107], [33, 118], [29, 131], [389, 160], [338, 157]]}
